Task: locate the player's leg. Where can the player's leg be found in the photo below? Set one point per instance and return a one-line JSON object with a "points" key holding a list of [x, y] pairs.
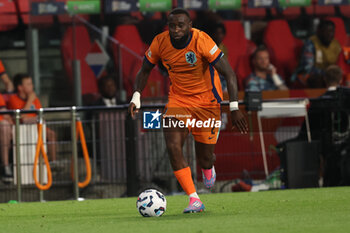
{"points": [[206, 138], [175, 139], [206, 159]]}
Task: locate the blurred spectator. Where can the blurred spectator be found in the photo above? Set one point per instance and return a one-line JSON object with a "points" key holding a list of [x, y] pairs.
{"points": [[333, 77], [5, 140], [108, 91], [218, 33], [319, 52], [264, 76], [26, 99], [5, 78], [331, 128]]}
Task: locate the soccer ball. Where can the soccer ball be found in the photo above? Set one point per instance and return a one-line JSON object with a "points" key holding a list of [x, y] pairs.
{"points": [[151, 203]]}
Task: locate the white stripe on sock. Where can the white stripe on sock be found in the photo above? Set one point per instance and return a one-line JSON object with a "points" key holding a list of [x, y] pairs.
{"points": [[195, 195]]}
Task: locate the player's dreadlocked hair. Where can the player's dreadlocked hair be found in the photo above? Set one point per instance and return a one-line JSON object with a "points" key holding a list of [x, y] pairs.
{"points": [[178, 11]]}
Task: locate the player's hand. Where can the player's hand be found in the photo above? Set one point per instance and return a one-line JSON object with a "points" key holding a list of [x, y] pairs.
{"points": [[238, 120], [135, 104], [132, 110]]}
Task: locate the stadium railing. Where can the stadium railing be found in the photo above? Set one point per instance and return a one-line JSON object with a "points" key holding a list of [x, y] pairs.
{"points": [[125, 158]]}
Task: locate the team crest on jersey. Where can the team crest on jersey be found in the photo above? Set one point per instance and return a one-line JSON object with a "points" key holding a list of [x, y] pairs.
{"points": [[191, 57]]}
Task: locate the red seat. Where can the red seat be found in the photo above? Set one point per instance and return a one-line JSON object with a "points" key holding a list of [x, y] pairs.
{"points": [[345, 10], [83, 45], [284, 48], [291, 12], [8, 15], [235, 36], [24, 11], [235, 41], [324, 10], [129, 37], [243, 68], [252, 13], [340, 31]]}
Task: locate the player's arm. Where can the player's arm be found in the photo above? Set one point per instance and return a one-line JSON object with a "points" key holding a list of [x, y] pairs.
{"points": [[237, 118], [140, 84]]}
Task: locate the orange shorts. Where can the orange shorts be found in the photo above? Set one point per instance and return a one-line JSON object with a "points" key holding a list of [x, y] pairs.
{"points": [[202, 118]]}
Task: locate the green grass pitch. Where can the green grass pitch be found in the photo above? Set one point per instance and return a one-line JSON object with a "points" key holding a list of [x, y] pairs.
{"points": [[306, 210]]}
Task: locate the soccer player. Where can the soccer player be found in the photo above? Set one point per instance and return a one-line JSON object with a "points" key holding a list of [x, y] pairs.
{"points": [[192, 59]]}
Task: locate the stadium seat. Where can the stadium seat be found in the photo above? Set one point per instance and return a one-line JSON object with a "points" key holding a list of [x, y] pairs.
{"points": [[284, 48], [132, 58], [83, 45], [23, 8], [291, 12], [340, 31], [8, 15], [243, 67], [128, 36], [324, 10], [254, 13], [235, 36], [345, 10]]}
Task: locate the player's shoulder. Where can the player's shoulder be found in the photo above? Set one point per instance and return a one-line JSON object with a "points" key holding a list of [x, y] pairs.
{"points": [[196, 33], [161, 37]]}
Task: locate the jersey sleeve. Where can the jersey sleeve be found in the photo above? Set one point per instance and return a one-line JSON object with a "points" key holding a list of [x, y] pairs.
{"points": [[2, 68], [209, 49], [152, 53]]}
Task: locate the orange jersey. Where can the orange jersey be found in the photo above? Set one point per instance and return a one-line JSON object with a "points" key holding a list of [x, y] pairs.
{"points": [[15, 102], [2, 106], [191, 69], [2, 68]]}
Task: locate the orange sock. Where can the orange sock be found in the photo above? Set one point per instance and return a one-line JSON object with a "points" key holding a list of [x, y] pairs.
{"points": [[185, 179]]}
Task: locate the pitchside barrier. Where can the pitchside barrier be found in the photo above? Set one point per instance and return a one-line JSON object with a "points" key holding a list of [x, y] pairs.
{"points": [[125, 158]]}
